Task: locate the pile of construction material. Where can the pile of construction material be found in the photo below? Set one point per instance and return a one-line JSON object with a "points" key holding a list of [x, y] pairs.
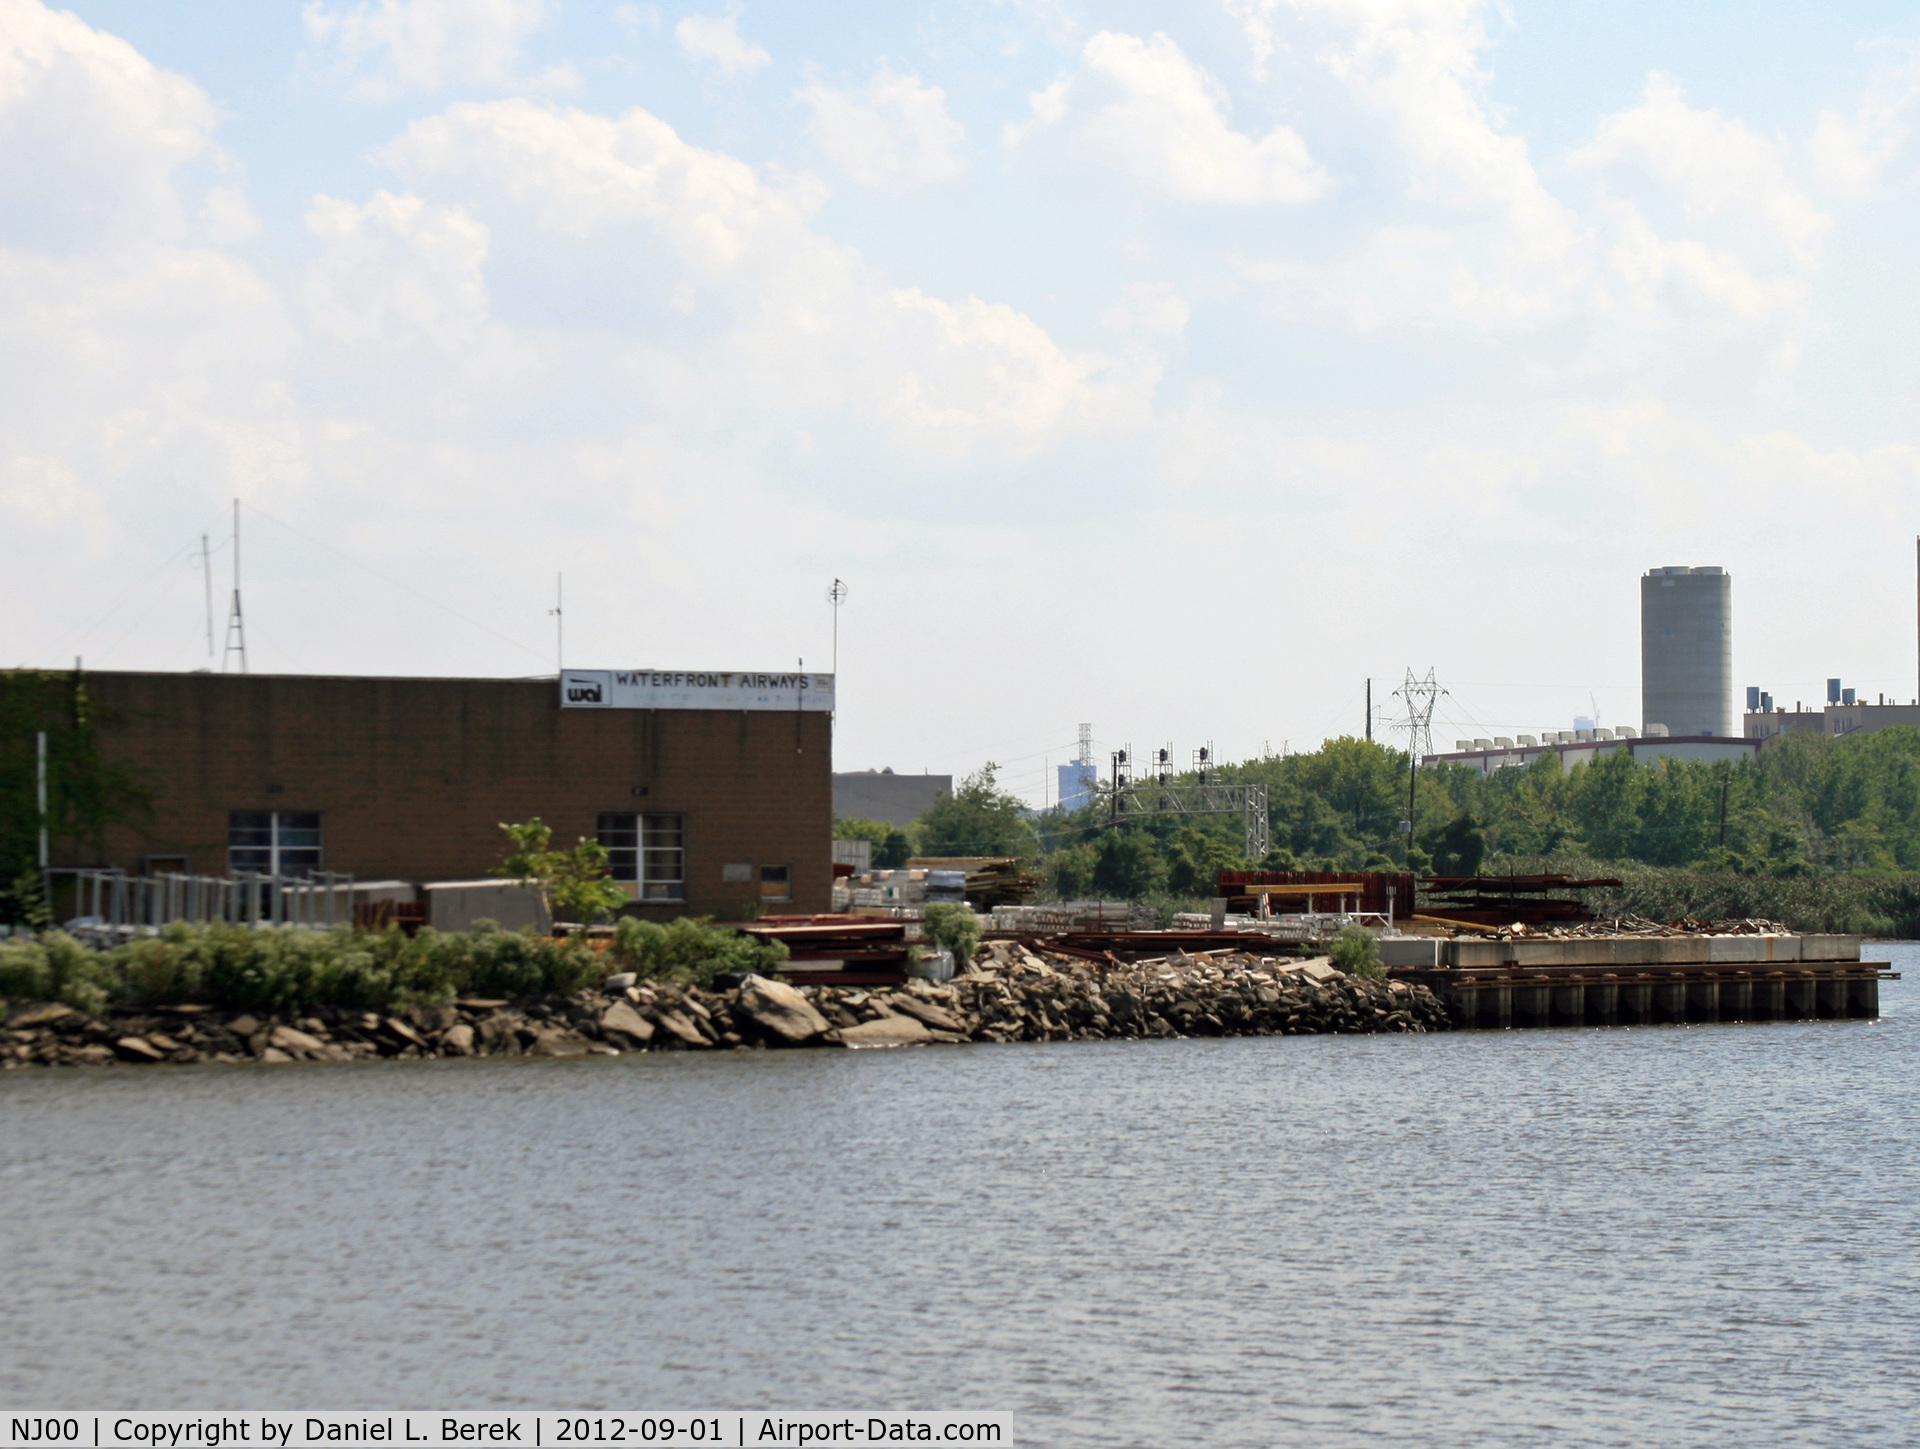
{"points": [[837, 946], [1057, 916], [1593, 930], [907, 886], [990, 880]]}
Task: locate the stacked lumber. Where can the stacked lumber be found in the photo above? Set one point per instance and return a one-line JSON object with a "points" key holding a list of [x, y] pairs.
{"points": [[992, 880], [836, 948]]}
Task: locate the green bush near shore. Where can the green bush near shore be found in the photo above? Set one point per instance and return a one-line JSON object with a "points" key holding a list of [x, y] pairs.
{"points": [[687, 951], [289, 970], [1356, 952]]}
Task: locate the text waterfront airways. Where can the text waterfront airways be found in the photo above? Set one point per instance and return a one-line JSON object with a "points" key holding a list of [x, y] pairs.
{"points": [[693, 689]]}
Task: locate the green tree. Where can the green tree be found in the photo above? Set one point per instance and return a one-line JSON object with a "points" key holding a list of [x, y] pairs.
{"points": [[572, 884], [1457, 847], [1128, 866], [1195, 860], [1070, 871], [978, 818]]}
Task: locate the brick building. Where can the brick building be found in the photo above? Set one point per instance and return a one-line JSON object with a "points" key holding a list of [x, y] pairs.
{"points": [[710, 790]]}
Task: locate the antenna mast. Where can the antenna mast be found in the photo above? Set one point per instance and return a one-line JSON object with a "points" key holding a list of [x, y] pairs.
{"points": [[236, 624], [836, 595], [206, 570], [559, 624]]}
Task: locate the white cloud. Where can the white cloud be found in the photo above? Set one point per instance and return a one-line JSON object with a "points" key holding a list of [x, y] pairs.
{"points": [[690, 263], [717, 38], [893, 135], [139, 361], [1495, 244], [1851, 154], [92, 134], [1157, 117], [394, 47], [396, 271], [1148, 309], [1715, 166]]}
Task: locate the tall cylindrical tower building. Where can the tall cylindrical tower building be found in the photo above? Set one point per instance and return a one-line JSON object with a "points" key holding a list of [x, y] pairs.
{"points": [[1686, 651]]}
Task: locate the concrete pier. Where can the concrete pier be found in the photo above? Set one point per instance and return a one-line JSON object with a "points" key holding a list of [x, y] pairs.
{"points": [[1644, 980]]}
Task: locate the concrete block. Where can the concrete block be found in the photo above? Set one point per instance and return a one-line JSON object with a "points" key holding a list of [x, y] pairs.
{"points": [[1736, 948], [1475, 953], [1410, 951], [454, 905], [1829, 948]]}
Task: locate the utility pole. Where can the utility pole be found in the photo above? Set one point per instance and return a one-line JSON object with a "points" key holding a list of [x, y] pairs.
{"points": [[1369, 711], [1726, 779]]}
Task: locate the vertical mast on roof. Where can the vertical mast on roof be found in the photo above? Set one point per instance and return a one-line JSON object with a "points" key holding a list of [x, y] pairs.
{"points": [[236, 623]]}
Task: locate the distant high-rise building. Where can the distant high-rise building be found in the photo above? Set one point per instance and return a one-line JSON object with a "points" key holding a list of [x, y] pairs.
{"points": [[1686, 651], [1078, 778]]}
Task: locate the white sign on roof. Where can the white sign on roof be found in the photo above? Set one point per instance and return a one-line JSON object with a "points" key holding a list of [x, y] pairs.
{"points": [[693, 689]]}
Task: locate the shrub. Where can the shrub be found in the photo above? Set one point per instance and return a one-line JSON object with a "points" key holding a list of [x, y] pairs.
{"points": [[1356, 952], [23, 969], [953, 928], [690, 950]]}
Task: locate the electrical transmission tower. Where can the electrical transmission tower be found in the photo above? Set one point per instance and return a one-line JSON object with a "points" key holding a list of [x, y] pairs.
{"points": [[1420, 695]]}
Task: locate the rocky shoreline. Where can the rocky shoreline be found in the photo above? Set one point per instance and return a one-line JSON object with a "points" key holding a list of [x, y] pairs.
{"points": [[1009, 993]]}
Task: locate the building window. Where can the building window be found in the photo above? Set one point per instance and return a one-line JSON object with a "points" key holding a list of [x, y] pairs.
{"points": [[648, 851], [273, 842], [776, 883]]}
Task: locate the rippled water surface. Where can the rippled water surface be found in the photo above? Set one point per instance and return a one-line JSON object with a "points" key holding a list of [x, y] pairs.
{"points": [[1696, 1235]]}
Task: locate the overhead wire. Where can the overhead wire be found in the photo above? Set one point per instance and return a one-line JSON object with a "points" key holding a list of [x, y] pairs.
{"points": [[75, 637], [255, 509]]}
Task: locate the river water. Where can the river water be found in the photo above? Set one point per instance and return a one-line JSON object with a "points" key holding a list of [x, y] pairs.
{"points": [[1669, 1235]]}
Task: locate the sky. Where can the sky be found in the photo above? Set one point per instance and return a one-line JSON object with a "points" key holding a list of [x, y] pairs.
{"points": [[1173, 368]]}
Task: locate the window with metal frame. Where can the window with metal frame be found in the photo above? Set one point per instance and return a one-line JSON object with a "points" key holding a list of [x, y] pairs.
{"points": [[649, 851], [274, 842], [776, 883]]}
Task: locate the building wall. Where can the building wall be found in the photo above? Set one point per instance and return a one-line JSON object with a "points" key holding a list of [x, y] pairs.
{"points": [[890, 799], [1686, 651], [1835, 719], [1769, 724], [413, 777], [1642, 751]]}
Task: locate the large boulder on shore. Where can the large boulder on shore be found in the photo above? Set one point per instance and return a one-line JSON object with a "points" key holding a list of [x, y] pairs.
{"points": [[622, 1018], [885, 1031], [780, 1010]]}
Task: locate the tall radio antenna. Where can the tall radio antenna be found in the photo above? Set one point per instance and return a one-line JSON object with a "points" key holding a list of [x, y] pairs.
{"points": [[236, 623], [206, 571]]}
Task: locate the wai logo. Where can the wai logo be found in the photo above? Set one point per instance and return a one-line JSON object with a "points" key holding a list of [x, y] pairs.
{"points": [[583, 689]]}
